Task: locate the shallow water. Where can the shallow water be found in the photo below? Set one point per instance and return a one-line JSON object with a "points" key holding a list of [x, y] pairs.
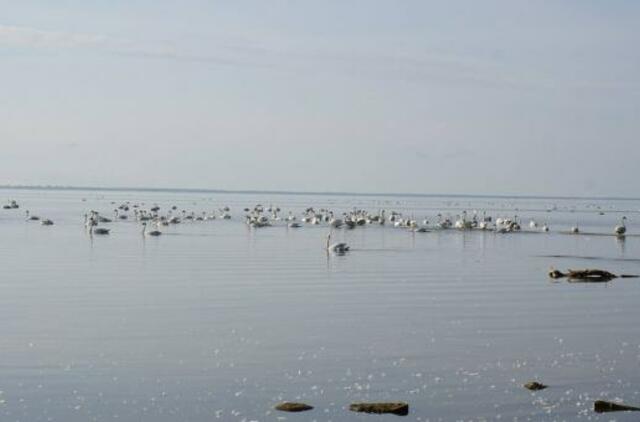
{"points": [[217, 321]]}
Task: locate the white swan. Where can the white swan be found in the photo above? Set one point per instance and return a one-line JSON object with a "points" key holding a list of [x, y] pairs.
{"points": [[150, 233], [462, 223], [31, 217], [336, 247], [622, 228], [443, 224]]}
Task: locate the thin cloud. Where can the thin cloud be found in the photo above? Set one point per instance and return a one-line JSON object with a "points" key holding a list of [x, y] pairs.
{"points": [[20, 36], [33, 38], [430, 66], [38, 39]]}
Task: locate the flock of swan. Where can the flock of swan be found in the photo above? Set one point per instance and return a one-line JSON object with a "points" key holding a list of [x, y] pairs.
{"points": [[152, 218]]}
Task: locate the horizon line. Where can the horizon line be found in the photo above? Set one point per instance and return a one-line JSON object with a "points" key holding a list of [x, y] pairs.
{"points": [[294, 192]]}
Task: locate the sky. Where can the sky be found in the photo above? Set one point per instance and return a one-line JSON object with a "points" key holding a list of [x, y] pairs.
{"points": [[413, 96]]}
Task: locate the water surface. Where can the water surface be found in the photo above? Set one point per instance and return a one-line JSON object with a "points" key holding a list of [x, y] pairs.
{"points": [[217, 321]]}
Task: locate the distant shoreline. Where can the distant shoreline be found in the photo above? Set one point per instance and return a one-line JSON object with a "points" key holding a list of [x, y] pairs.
{"points": [[301, 193]]}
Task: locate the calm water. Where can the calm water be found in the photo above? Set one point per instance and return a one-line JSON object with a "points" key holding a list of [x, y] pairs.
{"points": [[217, 321]]}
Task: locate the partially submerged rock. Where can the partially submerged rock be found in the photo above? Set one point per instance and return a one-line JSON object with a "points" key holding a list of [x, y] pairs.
{"points": [[588, 275], [553, 273], [396, 408], [601, 406], [293, 407], [591, 275], [535, 386]]}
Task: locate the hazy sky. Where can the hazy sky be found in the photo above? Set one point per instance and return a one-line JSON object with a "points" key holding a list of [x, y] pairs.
{"points": [[522, 97]]}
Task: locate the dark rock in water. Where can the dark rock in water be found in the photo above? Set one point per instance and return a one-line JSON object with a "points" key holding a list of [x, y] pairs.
{"points": [[591, 275], [553, 273], [399, 408], [601, 406], [588, 275], [293, 407], [535, 386]]}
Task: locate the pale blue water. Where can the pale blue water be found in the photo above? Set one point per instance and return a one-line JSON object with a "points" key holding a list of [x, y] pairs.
{"points": [[217, 321]]}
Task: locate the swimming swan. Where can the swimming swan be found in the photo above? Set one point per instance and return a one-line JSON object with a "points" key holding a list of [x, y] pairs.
{"points": [[622, 228], [336, 247], [150, 233]]}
